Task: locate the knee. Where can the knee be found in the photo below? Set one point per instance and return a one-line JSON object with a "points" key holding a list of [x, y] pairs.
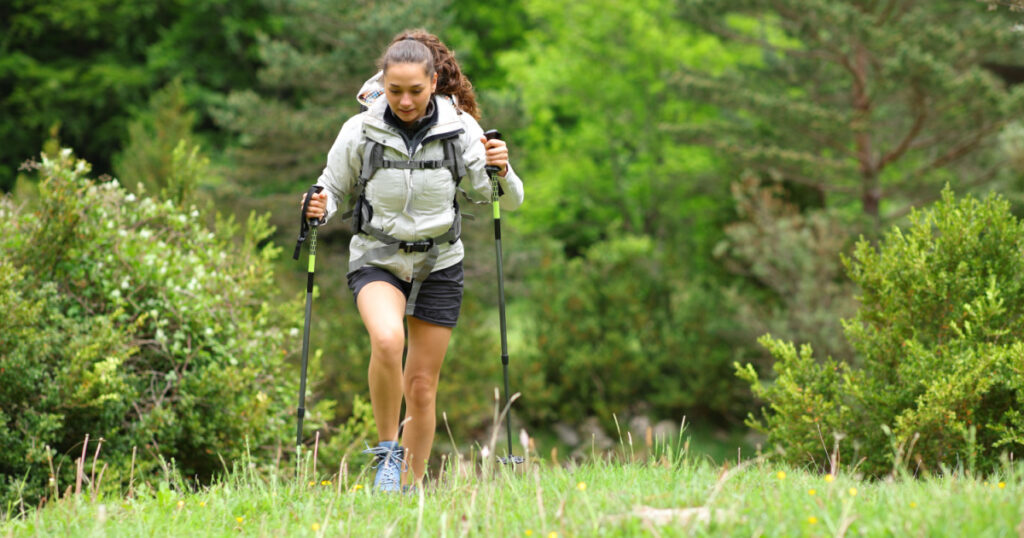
{"points": [[387, 346], [420, 391]]}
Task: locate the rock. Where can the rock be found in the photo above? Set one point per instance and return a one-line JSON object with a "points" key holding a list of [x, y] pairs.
{"points": [[683, 517], [638, 427], [591, 432], [666, 430], [566, 434]]}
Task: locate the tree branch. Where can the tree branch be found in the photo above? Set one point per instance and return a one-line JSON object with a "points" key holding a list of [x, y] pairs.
{"points": [[920, 116]]}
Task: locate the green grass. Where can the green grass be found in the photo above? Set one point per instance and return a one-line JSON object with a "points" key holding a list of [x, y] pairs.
{"points": [[669, 493]]}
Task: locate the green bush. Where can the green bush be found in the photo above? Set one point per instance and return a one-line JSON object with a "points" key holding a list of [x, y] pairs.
{"points": [[940, 378], [128, 319], [789, 260], [620, 331]]}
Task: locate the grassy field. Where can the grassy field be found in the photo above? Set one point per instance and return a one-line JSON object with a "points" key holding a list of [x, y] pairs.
{"points": [[665, 493]]}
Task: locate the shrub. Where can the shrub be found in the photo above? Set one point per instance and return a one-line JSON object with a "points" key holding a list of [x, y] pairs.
{"points": [[127, 319], [620, 331], [941, 377], [790, 261]]}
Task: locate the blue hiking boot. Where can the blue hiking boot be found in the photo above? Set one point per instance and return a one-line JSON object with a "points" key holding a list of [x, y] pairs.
{"points": [[390, 458]]}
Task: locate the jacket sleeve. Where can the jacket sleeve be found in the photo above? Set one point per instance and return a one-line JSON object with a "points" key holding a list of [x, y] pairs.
{"points": [[343, 163], [477, 184]]}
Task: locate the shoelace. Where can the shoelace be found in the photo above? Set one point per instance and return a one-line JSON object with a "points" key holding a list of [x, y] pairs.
{"points": [[384, 453]]}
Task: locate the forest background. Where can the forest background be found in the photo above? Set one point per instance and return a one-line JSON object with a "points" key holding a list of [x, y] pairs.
{"points": [[694, 171]]}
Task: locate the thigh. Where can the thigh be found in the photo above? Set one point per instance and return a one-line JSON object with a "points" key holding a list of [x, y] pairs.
{"points": [[382, 307], [428, 344]]}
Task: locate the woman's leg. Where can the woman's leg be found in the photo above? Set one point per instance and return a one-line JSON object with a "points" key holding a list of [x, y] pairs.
{"points": [[382, 307], [427, 346]]}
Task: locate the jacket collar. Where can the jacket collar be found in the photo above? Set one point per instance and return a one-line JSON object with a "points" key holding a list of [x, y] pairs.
{"points": [[448, 123]]}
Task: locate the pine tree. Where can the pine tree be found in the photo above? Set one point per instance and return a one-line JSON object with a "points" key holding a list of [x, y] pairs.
{"points": [[876, 102], [323, 52]]}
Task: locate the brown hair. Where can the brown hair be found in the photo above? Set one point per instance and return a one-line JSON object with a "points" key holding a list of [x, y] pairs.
{"points": [[408, 51], [450, 79]]}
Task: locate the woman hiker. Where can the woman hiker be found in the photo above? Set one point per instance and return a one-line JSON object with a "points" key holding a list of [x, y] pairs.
{"points": [[402, 161]]}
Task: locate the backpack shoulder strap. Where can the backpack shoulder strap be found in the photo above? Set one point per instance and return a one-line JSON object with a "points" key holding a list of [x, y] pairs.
{"points": [[453, 158]]}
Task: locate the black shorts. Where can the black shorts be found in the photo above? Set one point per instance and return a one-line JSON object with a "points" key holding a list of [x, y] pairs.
{"points": [[440, 296]]}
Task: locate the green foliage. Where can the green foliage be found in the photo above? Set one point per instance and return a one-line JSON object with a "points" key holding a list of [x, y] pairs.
{"points": [[127, 319], [312, 69], [942, 308], [623, 174], [480, 32], [161, 153], [790, 260], [85, 65], [618, 331], [873, 104]]}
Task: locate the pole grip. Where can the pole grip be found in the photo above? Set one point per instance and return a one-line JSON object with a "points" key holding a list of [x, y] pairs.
{"points": [[305, 223], [492, 134]]}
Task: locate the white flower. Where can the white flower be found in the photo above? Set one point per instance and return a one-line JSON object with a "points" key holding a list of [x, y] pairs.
{"points": [[124, 284], [130, 197], [145, 233], [195, 213]]}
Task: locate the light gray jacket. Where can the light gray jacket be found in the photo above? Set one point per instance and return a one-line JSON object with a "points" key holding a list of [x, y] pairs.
{"points": [[411, 205]]}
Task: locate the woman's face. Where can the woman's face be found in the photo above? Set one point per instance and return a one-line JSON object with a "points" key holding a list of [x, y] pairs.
{"points": [[408, 90]]}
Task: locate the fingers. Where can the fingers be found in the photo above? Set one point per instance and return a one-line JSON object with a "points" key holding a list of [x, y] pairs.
{"points": [[497, 153], [317, 206]]}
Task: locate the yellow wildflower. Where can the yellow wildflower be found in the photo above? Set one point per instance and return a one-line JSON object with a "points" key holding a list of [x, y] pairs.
{"points": [[315, 527], [582, 486], [181, 504], [325, 482], [240, 519], [853, 492], [781, 475], [552, 534], [1002, 485], [812, 520], [312, 483], [812, 492], [529, 532], [913, 504], [829, 478], [202, 504]]}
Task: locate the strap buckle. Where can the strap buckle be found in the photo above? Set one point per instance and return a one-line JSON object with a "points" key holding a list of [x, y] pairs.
{"points": [[416, 246]]}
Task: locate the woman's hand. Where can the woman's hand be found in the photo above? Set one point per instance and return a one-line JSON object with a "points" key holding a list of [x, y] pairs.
{"points": [[317, 206], [497, 154]]}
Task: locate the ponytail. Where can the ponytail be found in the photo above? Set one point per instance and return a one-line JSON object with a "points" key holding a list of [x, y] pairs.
{"points": [[450, 79]]}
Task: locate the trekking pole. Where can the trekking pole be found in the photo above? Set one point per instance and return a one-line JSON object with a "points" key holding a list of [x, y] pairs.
{"points": [[308, 226], [492, 171]]}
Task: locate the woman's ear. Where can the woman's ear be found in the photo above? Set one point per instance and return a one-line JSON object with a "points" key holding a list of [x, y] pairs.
{"points": [[433, 83]]}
